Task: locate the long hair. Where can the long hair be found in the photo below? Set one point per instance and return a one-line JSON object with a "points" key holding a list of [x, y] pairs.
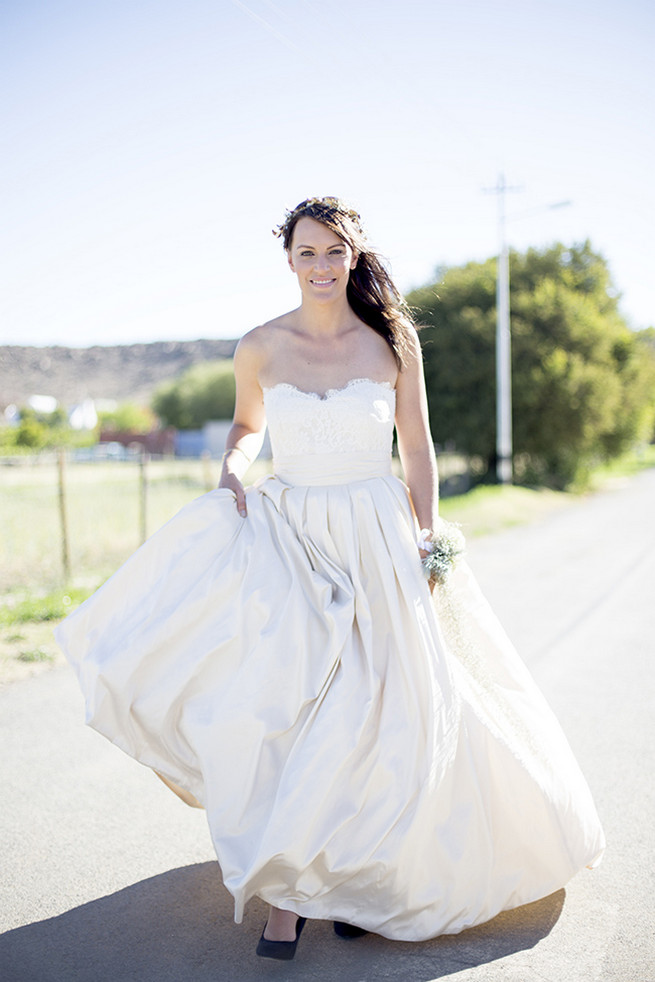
{"points": [[371, 293]]}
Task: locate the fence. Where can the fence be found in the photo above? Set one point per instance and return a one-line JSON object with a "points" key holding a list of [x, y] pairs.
{"points": [[78, 520]]}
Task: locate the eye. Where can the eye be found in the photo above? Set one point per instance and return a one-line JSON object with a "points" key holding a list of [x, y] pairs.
{"points": [[306, 252], [336, 252]]}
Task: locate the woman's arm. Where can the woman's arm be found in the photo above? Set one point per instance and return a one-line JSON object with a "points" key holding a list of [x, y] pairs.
{"points": [[246, 434], [414, 439]]}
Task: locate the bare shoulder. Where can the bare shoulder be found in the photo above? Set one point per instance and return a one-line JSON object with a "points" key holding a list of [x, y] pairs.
{"points": [[412, 359], [414, 352], [258, 347], [252, 341], [249, 355], [260, 339], [252, 348]]}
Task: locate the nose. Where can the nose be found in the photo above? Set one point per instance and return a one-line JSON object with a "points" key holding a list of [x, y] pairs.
{"points": [[321, 262]]}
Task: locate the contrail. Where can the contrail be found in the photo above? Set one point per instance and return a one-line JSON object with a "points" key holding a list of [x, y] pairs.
{"points": [[269, 27]]}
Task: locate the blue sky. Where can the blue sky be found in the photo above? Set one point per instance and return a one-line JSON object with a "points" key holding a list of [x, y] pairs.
{"points": [[151, 146]]}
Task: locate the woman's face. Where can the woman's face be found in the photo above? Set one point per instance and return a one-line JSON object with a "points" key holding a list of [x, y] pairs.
{"points": [[320, 259]]}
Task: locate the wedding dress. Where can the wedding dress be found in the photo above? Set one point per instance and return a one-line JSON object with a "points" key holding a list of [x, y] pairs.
{"points": [[363, 753]]}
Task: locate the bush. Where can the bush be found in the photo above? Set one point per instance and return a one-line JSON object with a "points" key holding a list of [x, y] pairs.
{"points": [[205, 392], [128, 417]]}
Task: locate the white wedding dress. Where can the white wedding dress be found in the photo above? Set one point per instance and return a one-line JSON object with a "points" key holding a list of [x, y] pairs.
{"points": [[363, 753]]}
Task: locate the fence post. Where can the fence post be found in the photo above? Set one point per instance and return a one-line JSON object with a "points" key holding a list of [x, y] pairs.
{"points": [[143, 495], [65, 553], [207, 470]]}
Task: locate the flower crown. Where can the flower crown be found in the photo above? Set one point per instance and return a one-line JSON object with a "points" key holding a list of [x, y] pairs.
{"points": [[327, 207]]}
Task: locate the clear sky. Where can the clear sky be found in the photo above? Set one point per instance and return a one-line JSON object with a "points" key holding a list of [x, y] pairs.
{"points": [[150, 146]]}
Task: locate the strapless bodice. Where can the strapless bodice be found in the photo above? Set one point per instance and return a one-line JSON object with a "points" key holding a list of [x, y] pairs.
{"points": [[342, 436], [357, 417]]}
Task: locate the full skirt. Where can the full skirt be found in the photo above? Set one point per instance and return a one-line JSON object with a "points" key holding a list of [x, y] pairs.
{"points": [[364, 752]]}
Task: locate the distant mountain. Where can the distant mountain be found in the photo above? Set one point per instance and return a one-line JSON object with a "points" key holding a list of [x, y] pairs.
{"points": [[121, 372]]}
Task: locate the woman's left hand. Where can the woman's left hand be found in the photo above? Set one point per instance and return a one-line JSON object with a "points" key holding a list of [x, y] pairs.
{"points": [[431, 582]]}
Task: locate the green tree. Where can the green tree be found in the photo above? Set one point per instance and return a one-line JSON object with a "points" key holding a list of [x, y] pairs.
{"points": [[128, 417], [38, 430], [639, 371], [31, 432], [206, 391], [581, 381], [458, 318]]}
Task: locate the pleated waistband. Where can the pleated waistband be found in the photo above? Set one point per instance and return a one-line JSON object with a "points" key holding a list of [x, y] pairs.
{"points": [[332, 468]]}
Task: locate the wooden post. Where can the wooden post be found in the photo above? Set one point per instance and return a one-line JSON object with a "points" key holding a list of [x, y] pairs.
{"points": [[65, 553], [143, 495], [207, 471]]}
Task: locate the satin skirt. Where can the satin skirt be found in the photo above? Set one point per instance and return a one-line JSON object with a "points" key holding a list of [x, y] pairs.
{"points": [[364, 753]]}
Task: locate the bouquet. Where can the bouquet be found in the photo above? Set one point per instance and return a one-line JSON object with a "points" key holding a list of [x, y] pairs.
{"points": [[444, 546]]}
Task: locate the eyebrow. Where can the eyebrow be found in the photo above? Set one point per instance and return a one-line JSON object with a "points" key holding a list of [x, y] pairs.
{"points": [[334, 245]]}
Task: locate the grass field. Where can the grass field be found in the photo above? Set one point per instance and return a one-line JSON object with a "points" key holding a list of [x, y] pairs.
{"points": [[103, 508]]}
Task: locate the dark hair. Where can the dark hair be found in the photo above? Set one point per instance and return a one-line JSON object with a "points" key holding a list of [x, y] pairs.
{"points": [[371, 293]]}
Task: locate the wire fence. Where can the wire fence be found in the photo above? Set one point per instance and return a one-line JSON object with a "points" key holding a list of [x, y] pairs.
{"points": [[64, 521]]}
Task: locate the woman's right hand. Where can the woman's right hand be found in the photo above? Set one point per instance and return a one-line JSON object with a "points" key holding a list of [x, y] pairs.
{"points": [[233, 484], [244, 439]]}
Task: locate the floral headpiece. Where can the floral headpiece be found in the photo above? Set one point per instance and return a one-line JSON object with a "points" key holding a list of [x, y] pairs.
{"points": [[327, 207]]}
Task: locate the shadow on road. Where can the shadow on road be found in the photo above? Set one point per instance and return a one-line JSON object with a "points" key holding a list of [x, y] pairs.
{"points": [[178, 927]]}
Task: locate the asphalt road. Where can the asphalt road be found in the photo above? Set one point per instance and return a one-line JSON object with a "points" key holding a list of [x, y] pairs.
{"points": [[107, 877]]}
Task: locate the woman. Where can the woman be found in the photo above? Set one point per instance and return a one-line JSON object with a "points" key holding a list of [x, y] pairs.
{"points": [[283, 660]]}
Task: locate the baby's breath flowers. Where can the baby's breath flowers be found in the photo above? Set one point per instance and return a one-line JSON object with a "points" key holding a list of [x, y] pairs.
{"points": [[444, 547], [328, 207]]}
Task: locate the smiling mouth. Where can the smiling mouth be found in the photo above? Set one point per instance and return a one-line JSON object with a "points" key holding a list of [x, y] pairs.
{"points": [[322, 282]]}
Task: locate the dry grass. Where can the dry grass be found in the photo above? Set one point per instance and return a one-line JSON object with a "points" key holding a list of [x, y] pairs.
{"points": [[104, 527], [27, 651], [490, 508], [104, 517]]}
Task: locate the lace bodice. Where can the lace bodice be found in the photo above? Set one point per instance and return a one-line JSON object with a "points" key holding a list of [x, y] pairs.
{"points": [[356, 418]]}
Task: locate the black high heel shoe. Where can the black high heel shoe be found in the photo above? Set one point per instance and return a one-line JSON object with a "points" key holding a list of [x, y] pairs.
{"points": [[282, 950], [348, 931]]}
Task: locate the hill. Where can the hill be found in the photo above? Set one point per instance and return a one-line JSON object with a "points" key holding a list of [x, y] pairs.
{"points": [[121, 372]]}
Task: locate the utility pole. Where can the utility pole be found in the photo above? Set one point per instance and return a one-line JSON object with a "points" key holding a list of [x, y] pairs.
{"points": [[504, 449], [503, 345]]}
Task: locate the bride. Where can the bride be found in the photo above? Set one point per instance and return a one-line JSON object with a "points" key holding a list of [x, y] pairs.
{"points": [[310, 657]]}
